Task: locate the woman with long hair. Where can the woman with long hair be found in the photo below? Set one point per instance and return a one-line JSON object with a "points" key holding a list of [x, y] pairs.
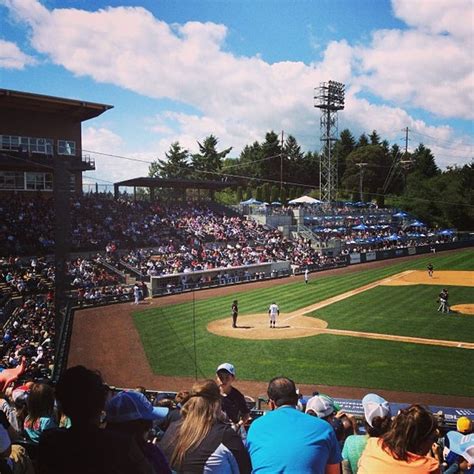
{"points": [[204, 440], [377, 420], [41, 415], [405, 447]]}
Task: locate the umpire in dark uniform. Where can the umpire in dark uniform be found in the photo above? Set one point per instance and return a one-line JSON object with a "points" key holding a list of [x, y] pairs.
{"points": [[235, 313]]}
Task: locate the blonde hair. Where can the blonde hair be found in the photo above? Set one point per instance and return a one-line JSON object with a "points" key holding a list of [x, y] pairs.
{"points": [[200, 413]]}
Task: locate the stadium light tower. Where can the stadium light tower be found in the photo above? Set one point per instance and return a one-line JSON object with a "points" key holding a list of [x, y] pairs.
{"points": [[329, 97]]}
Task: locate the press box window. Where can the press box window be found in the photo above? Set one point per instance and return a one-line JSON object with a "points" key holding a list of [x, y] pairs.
{"points": [[12, 180], [66, 147], [39, 181]]}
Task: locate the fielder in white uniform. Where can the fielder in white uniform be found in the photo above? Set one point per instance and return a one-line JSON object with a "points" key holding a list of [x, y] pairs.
{"points": [[306, 276], [273, 311]]}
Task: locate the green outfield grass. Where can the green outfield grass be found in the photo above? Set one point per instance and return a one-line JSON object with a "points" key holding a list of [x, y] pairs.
{"points": [[168, 333]]}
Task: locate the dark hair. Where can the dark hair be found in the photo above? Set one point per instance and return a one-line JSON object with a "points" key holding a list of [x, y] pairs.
{"points": [[412, 431], [380, 425], [81, 394], [282, 391], [40, 401]]}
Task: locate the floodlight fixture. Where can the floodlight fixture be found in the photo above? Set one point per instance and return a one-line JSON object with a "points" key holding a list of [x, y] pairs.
{"points": [[329, 97]]}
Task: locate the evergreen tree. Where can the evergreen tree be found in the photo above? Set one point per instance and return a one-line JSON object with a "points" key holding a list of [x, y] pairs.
{"points": [[275, 193], [175, 166], [240, 194], [342, 148], [271, 150], [377, 166], [363, 140], [251, 159], [374, 138], [424, 162], [266, 192], [208, 159]]}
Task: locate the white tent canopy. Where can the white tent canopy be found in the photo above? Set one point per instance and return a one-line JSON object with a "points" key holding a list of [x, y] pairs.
{"points": [[305, 200]]}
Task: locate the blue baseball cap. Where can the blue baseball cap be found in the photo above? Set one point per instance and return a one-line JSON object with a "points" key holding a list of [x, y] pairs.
{"points": [[130, 406]]}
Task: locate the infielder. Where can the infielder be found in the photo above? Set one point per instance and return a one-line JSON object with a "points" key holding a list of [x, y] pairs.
{"points": [[273, 312], [430, 269]]}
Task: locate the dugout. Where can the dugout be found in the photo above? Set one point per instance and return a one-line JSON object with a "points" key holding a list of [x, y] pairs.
{"points": [[179, 282]]}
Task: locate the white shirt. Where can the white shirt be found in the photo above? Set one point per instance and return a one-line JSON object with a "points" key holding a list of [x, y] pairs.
{"points": [[273, 309]]}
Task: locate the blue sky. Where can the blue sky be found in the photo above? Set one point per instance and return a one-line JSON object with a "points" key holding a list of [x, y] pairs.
{"points": [[181, 70]]}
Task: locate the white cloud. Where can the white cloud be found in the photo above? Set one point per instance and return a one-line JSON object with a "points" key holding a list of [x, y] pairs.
{"points": [[11, 57], [238, 98], [421, 70], [100, 144], [453, 17]]}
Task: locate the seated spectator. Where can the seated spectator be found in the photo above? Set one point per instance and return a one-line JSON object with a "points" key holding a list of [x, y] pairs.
{"points": [[40, 411], [85, 448], [132, 413], [460, 456], [204, 442], [13, 457], [286, 440], [377, 420], [405, 447], [458, 452], [325, 408]]}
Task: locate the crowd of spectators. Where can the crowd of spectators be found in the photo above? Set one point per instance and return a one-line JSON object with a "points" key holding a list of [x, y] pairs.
{"points": [[81, 425], [98, 222]]}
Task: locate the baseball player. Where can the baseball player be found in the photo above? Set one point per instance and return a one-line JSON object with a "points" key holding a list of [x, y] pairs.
{"points": [[235, 313], [273, 312], [430, 270], [306, 275]]}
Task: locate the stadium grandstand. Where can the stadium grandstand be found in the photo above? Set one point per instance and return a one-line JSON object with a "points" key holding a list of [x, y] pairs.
{"points": [[62, 251]]}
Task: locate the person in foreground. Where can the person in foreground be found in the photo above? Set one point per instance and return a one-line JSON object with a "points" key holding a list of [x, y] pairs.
{"points": [[404, 448], [286, 440], [377, 421], [204, 442], [85, 448]]}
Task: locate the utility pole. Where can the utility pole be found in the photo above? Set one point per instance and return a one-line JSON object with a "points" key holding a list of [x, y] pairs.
{"points": [[361, 178], [281, 165], [406, 130]]}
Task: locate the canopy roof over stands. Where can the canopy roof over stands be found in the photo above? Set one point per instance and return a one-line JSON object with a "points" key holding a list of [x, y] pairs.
{"points": [[45, 103], [181, 183]]}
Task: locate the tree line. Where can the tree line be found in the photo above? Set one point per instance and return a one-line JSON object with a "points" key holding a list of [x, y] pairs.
{"points": [[274, 171]]}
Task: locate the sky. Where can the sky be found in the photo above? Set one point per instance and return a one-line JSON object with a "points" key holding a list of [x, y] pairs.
{"points": [[181, 70]]}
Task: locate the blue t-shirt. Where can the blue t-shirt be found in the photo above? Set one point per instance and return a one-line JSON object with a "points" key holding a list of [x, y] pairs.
{"points": [[289, 441]]}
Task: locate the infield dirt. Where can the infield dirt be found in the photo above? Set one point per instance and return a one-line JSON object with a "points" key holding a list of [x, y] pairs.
{"points": [[297, 324], [106, 339]]}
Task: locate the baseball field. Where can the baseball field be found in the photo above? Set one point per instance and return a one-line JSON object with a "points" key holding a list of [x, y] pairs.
{"points": [[375, 328], [350, 330]]}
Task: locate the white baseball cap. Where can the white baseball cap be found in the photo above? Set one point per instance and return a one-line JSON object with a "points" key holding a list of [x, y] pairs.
{"points": [[227, 366], [374, 405], [320, 405]]}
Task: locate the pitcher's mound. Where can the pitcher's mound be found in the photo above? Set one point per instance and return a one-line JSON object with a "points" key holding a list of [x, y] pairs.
{"points": [[463, 308], [256, 326]]}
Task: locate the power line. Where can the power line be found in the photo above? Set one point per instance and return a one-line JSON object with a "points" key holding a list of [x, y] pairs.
{"points": [[467, 145], [287, 183]]}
